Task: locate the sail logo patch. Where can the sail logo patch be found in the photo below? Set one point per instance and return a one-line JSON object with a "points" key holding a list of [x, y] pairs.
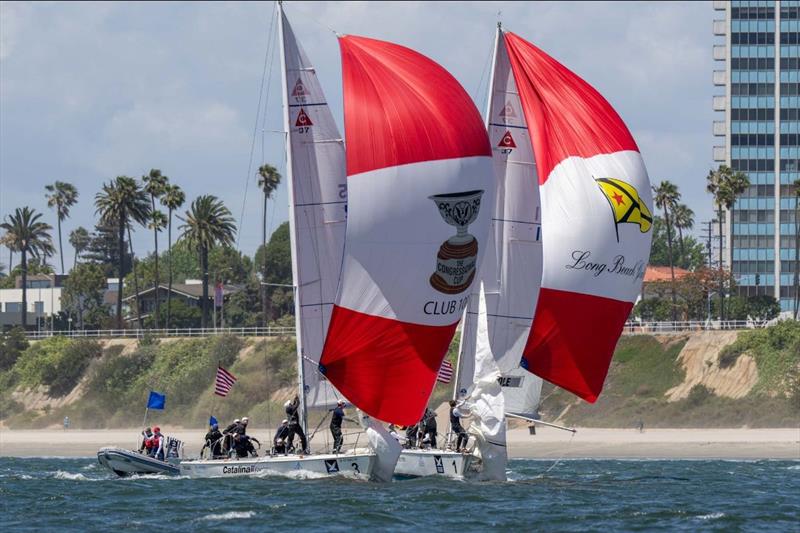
{"points": [[508, 111], [332, 466], [507, 142], [439, 465], [303, 120], [626, 205], [458, 255], [299, 92]]}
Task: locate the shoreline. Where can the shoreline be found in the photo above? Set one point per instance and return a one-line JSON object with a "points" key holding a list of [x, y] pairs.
{"points": [[547, 443]]}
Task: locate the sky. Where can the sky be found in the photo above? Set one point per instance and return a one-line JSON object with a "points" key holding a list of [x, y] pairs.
{"points": [[90, 91]]}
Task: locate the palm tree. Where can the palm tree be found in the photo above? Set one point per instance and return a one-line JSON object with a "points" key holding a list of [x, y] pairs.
{"points": [[268, 181], [155, 186], [28, 236], [797, 249], [726, 185], [79, 238], [61, 196], [118, 203], [172, 199], [208, 223], [7, 240], [683, 219], [666, 197]]}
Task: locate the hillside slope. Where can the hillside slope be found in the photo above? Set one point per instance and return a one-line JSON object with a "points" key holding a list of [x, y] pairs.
{"points": [[710, 379]]}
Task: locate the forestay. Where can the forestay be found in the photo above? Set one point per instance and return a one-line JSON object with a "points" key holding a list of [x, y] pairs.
{"points": [[317, 210]]}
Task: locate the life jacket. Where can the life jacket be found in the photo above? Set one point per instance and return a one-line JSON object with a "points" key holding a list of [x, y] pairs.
{"points": [[150, 442]]}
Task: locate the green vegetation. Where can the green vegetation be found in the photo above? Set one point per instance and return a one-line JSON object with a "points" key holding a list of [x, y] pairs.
{"points": [[643, 370], [113, 382]]}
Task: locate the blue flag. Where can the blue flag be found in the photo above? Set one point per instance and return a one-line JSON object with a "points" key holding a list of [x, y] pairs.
{"points": [[156, 400], [212, 421]]}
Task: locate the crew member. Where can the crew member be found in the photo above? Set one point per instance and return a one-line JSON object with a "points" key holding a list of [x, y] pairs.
{"points": [[243, 445], [214, 442], [336, 426], [411, 436], [158, 444], [228, 432], [456, 427], [428, 425], [294, 424], [147, 443], [241, 429], [279, 442]]}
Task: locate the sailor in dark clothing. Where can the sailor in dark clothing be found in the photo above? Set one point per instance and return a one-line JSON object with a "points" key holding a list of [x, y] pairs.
{"points": [[411, 436], [456, 427], [241, 429], [294, 425], [243, 445], [228, 432], [214, 442], [428, 423], [279, 442], [336, 426]]}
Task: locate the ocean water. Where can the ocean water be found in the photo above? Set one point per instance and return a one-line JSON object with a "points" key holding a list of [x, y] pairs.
{"points": [[55, 494]]}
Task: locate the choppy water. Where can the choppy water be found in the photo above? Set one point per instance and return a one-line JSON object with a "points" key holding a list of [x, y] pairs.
{"points": [[575, 495]]}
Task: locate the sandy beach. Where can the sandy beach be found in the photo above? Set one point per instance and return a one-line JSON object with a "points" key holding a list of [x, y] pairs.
{"points": [[548, 443]]}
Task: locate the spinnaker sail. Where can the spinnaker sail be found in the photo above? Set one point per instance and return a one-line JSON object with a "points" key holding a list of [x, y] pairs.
{"points": [[317, 211], [597, 214], [420, 190]]}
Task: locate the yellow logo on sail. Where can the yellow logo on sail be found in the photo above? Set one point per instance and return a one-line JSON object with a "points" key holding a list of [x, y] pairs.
{"points": [[626, 206]]}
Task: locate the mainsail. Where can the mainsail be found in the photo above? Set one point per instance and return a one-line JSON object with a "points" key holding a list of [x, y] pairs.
{"points": [[315, 171], [420, 192], [595, 198], [512, 267]]}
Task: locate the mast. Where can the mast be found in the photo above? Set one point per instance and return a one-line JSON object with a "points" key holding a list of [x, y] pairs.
{"points": [[293, 244], [466, 319]]}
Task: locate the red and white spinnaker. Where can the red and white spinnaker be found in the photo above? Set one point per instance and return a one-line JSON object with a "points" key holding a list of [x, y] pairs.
{"points": [[596, 220], [420, 196]]}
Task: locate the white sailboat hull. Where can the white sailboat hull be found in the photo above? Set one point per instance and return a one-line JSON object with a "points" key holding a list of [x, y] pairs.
{"points": [[126, 462], [356, 465], [422, 463]]}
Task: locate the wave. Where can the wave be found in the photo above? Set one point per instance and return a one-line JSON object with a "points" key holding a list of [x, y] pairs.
{"points": [[60, 474], [230, 515], [711, 516]]}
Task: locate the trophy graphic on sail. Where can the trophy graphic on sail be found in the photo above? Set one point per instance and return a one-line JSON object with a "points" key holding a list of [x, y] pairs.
{"points": [[458, 255]]}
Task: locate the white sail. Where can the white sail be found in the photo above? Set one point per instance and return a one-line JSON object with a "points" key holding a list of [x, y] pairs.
{"points": [[317, 210], [485, 402], [512, 267]]}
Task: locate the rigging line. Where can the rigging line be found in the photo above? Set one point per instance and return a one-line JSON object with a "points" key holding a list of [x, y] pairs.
{"points": [[269, 87], [557, 461], [316, 21], [483, 73], [255, 129]]}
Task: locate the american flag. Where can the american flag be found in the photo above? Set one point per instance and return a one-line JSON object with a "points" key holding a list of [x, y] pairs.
{"points": [[224, 382], [445, 372]]}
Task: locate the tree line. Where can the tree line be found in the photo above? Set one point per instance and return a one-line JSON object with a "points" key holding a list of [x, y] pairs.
{"points": [[122, 205]]}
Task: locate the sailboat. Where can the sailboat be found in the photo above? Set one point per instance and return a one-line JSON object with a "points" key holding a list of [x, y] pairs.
{"points": [[550, 308], [317, 217]]}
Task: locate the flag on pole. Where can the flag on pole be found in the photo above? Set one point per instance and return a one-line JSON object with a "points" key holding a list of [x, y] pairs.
{"points": [[224, 382], [156, 400], [445, 372]]}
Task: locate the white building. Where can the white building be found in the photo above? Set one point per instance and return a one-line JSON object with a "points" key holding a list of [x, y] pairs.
{"points": [[44, 300]]}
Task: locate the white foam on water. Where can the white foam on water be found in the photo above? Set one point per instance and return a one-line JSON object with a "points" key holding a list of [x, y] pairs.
{"points": [[793, 467], [711, 516], [231, 515], [60, 474]]}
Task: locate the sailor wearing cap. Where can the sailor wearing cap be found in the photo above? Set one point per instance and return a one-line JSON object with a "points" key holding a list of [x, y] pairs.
{"points": [[336, 426]]}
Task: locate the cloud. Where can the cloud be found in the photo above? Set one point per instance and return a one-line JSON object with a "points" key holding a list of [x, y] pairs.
{"points": [[89, 91]]}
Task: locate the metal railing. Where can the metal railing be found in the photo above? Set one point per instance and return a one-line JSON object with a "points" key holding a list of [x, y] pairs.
{"points": [[634, 327], [269, 331]]}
